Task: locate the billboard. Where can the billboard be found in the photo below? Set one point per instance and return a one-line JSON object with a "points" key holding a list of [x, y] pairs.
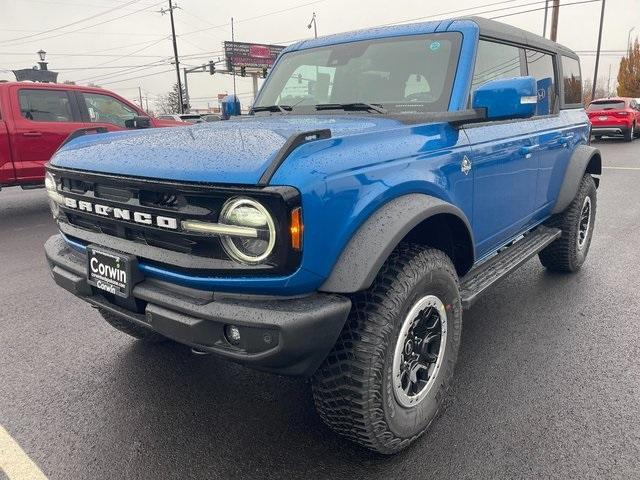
{"points": [[251, 55]]}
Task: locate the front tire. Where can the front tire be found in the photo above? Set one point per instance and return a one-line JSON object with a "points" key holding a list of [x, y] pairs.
{"points": [[568, 253], [389, 373]]}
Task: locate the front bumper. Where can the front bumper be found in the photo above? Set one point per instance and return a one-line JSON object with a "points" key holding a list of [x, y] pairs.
{"points": [[290, 336]]}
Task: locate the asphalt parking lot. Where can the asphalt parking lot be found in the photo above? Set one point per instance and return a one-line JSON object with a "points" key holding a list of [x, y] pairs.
{"points": [[547, 385]]}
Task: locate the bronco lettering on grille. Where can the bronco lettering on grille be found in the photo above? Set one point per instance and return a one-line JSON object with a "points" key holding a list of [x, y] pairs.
{"points": [[141, 218]]}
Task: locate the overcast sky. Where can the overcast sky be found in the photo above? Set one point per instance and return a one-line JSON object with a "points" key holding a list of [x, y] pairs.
{"points": [[118, 49]]}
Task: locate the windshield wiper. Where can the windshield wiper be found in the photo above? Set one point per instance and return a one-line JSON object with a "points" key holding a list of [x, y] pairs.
{"points": [[273, 108], [352, 106]]}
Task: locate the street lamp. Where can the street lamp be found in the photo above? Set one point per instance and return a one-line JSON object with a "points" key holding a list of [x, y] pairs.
{"points": [[42, 54], [629, 39], [315, 26]]}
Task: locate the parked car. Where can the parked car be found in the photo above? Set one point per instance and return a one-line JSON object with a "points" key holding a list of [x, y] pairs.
{"points": [[384, 180], [182, 117], [35, 118], [619, 116]]}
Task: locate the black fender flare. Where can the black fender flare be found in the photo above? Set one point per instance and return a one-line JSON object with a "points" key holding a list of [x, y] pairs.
{"points": [[373, 242], [585, 159]]}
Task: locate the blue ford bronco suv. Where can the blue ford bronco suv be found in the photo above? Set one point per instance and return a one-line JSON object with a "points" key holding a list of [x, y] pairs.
{"points": [[383, 180]]}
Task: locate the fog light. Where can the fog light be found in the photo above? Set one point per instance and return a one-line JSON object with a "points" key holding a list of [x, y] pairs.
{"points": [[233, 334]]}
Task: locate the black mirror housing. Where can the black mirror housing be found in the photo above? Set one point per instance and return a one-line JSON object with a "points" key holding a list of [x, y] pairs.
{"points": [[138, 122]]}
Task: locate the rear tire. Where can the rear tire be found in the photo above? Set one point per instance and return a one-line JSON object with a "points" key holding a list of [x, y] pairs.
{"points": [[630, 134], [598, 138], [381, 386], [568, 253], [144, 334]]}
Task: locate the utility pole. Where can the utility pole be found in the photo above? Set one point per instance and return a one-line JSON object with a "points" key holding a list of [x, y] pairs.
{"points": [[555, 12], [146, 102], [175, 52], [140, 95], [546, 13], [595, 73], [233, 54], [609, 81], [186, 89]]}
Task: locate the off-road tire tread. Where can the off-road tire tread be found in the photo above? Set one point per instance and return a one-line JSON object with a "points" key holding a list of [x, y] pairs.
{"points": [[558, 256], [136, 331], [348, 386]]}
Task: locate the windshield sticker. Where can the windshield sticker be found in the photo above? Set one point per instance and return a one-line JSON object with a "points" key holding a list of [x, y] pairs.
{"points": [[434, 46]]}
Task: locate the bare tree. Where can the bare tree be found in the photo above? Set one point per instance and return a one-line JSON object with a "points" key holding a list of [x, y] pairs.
{"points": [[169, 102], [601, 91]]}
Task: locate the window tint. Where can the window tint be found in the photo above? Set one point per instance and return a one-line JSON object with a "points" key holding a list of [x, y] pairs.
{"points": [[540, 67], [313, 81], [413, 73], [416, 84], [606, 105], [495, 61], [45, 105], [106, 109], [572, 80]]}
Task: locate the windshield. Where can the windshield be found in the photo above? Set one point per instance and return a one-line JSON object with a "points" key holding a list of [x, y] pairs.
{"points": [[608, 105], [401, 74]]}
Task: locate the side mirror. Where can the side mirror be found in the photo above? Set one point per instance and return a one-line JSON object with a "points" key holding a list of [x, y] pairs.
{"points": [[138, 122], [507, 98]]}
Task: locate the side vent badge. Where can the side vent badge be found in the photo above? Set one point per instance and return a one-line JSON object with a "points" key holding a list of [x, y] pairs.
{"points": [[466, 165]]}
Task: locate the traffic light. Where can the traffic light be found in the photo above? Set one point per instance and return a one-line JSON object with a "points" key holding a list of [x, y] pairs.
{"points": [[212, 67], [243, 71], [264, 72]]}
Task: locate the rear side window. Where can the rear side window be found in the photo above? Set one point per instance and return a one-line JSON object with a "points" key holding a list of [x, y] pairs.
{"points": [[45, 105], [495, 61], [540, 66], [572, 80]]}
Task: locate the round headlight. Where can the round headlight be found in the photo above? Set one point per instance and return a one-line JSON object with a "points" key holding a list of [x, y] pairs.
{"points": [[245, 212]]}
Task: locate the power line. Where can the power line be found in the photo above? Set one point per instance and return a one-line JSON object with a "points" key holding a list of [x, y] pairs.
{"points": [[135, 78], [538, 9], [72, 23], [256, 17], [436, 15], [87, 27], [81, 54], [124, 71], [127, 55]]}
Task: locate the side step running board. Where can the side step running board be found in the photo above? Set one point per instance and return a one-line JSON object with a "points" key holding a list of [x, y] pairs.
{"points": [[480, 278]]}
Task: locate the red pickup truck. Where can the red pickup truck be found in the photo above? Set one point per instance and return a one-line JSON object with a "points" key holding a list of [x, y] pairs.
{"points": [[35, 118]]}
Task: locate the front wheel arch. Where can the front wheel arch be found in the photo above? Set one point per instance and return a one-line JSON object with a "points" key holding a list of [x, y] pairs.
{"points": [[417, 218]]}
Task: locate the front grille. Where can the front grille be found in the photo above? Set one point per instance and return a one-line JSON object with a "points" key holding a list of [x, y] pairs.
{"points": [[179, 201]]}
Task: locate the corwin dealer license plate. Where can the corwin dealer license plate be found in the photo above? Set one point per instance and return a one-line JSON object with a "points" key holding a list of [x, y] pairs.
{"points": [[113, 272]]}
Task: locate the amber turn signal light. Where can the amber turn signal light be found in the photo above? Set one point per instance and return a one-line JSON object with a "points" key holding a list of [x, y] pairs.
{"points": [[296, 228]]}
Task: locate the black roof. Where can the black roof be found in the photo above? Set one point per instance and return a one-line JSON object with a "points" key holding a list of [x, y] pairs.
{"points": [[502, 31]]}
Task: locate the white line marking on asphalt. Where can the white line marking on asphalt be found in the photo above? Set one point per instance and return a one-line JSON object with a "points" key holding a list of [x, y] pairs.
{"points": [[621, 168], [14, 462]]}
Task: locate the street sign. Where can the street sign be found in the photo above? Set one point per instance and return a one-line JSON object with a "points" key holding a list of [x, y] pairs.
{"points": [[250, 55]]}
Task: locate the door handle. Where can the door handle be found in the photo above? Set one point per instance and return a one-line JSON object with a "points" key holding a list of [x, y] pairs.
{"points": [[564, 139], [526, 151], [32, 134]]}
